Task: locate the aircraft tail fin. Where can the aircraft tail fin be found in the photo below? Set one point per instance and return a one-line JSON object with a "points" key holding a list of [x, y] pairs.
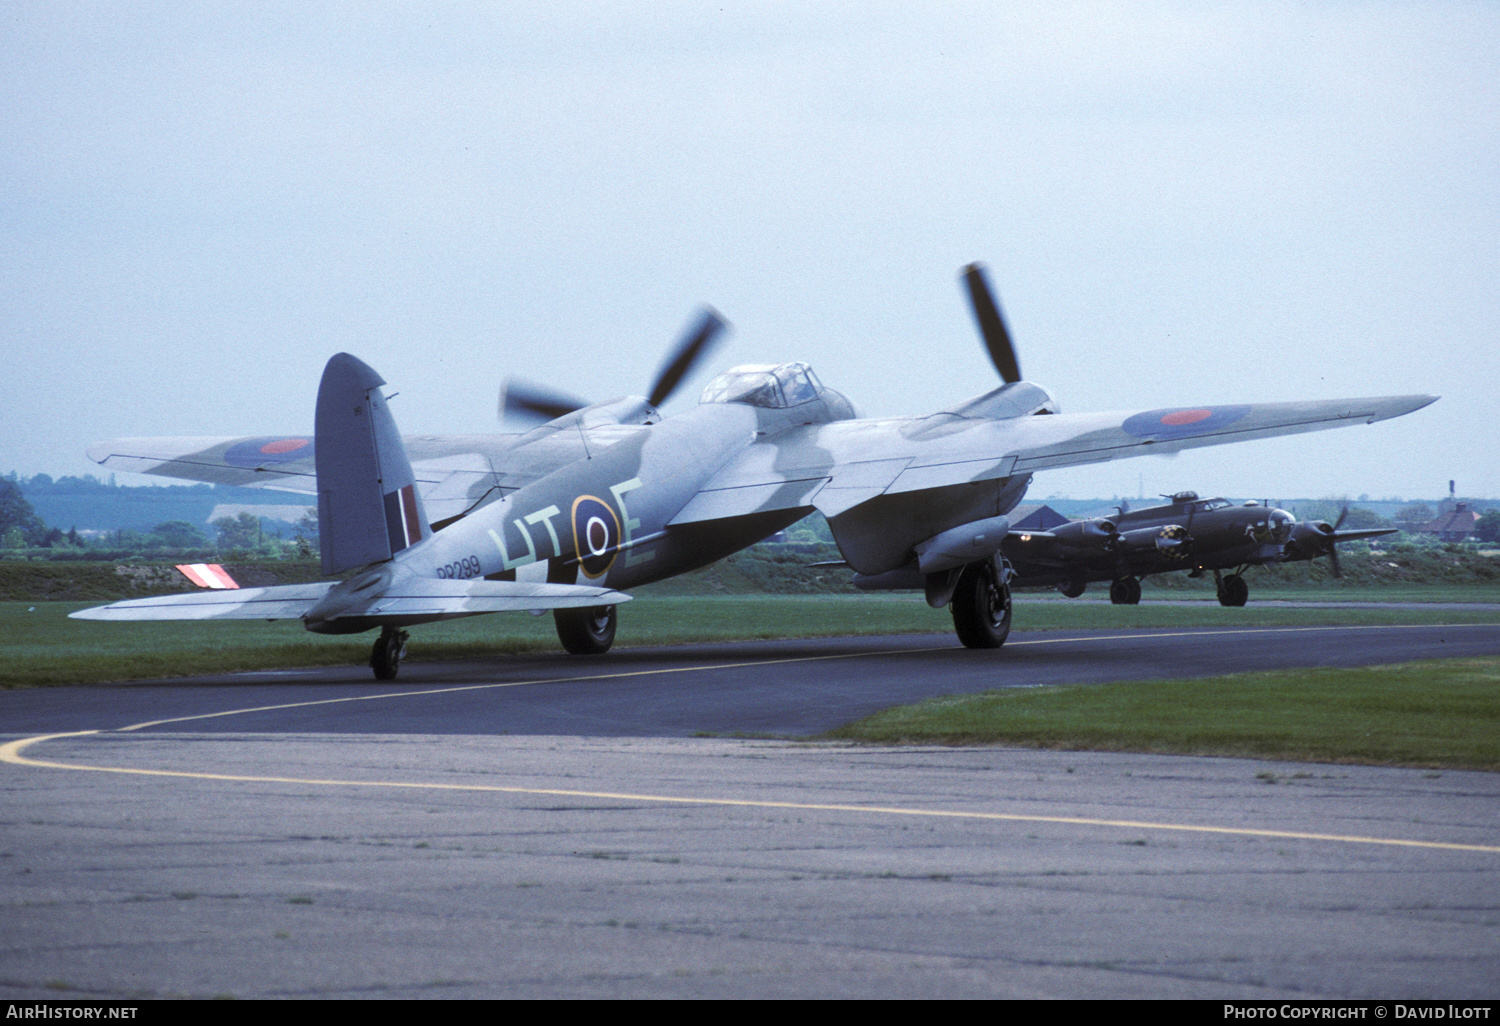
{"points": [[368, 505]]}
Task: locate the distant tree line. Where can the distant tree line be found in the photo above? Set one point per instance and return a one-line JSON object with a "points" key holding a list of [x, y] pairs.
{"points": [[23, 533]]}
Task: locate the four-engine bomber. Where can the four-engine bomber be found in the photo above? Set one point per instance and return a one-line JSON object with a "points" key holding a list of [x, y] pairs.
{"points": [[1188, 533]]}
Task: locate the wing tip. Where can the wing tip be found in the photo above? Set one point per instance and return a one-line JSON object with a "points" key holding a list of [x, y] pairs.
{"points": [[1401, 405]]}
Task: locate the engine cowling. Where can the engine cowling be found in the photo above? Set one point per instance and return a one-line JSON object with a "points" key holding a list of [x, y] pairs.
{"points": [[961, 545], [1172, 541]]}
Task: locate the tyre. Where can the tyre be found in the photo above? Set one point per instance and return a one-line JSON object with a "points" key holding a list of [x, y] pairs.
{"points": [[586, 631], [1233, 591], [981, 607], [385, 655], [1072, 589]]}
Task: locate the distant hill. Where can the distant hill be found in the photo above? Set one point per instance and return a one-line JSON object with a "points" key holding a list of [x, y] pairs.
{"points": [[91, 504]]}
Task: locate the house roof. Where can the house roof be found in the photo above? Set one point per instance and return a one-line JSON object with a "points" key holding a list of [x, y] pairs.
{"points": [[1460, 520]]}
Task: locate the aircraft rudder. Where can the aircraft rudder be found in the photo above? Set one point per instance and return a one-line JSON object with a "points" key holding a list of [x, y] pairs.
{"points": [[369, 508]]}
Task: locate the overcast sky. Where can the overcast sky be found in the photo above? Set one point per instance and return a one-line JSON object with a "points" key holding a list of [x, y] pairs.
{"points": [[1179, 203]]}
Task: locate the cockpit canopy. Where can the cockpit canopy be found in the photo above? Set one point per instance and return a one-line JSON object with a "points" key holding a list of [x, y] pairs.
{"points": [[772, 387]]}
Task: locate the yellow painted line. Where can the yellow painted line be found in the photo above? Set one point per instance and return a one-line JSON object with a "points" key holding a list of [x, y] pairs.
{"points": [[11, 753]]}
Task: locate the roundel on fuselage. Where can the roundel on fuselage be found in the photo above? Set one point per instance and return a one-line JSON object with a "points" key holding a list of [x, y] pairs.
{"points": [[596, 535]]}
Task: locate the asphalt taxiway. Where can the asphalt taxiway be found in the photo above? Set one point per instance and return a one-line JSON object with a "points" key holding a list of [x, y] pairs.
{"points": [[538, 826]]}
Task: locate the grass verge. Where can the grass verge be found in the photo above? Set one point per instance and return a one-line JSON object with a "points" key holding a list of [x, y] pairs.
{"points": [[40, 646], [1442, 714]]}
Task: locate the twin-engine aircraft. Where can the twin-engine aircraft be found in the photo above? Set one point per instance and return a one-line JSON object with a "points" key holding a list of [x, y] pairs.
{"points": [[1188, 533], [610, 496]]}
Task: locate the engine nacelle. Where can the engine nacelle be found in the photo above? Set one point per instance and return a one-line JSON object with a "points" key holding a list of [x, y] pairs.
{"points": [[960, 545], [1172, 541]]}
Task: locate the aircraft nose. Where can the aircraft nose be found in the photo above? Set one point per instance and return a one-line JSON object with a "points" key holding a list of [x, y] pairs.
{"points": [[1281, 524]]}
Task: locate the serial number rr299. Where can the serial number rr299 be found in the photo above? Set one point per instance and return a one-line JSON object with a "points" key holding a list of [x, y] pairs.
{"points": [[464, 568]]}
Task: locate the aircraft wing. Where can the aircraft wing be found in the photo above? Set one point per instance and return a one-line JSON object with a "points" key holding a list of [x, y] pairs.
{"points": [[413, 598], [454, 473], [1362, 533], [835, 467]]}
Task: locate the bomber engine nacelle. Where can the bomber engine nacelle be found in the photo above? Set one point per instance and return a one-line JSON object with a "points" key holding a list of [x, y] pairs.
{"points": [[1310, 539], [1172, 541], [1099, 535]]}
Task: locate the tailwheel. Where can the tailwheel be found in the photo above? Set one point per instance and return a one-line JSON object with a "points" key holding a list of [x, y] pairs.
{"points": [[587, 631], [1233, 591], [389, 650], [981, 606], [1125, 592]]}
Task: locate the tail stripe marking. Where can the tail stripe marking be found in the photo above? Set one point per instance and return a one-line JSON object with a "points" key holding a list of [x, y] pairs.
{"points": [[413, 522], [402, 525]]}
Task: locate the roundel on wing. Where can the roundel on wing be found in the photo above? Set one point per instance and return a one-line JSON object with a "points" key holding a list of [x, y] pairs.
{"points": [[1183, 422], [260, 452], [596, 535]]}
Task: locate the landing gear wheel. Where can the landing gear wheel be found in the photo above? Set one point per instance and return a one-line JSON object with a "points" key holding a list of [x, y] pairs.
{"points": [[1072, 589], [389, 650], [1233, 591], [1125, 592], [587, 631], [981, 607]]}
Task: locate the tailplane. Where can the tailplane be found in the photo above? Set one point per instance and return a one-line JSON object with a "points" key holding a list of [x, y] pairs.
{"points": [[368, 505]]}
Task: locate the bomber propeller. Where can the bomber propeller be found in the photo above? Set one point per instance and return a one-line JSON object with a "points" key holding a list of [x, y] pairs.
{"points": [[525, 400], [1313, 538]]}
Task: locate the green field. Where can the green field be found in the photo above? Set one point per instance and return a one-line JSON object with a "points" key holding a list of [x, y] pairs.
{"points": [[1441, 714], [42, 646]]}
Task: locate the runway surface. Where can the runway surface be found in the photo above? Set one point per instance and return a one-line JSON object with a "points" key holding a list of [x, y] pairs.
{"points": [[541, 826]]}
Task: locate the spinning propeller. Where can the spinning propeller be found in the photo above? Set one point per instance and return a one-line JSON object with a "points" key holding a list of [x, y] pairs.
{"points": [[1313, 538], [1331, 539], [525, 400], [991, 324]]}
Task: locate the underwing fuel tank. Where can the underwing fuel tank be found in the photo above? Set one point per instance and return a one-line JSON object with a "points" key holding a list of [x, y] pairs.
{"points": [[961, 545]]}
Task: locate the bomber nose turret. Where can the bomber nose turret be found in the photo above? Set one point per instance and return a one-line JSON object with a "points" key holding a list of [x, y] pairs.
{"points": [[1281, 524]]}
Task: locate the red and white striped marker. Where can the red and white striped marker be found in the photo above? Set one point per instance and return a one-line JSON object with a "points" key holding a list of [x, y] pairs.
{"points": [[207, 575]]}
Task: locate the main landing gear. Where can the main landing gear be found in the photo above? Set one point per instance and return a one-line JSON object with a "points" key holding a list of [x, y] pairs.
{"points": [[1126, 591], [1233, 591], [981, 605], [587, 631], [389, 650], [1074, 588]]}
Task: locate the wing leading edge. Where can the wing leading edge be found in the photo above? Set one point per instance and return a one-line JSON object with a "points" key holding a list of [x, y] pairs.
{"points": [[835, 467], [454, 473]]}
